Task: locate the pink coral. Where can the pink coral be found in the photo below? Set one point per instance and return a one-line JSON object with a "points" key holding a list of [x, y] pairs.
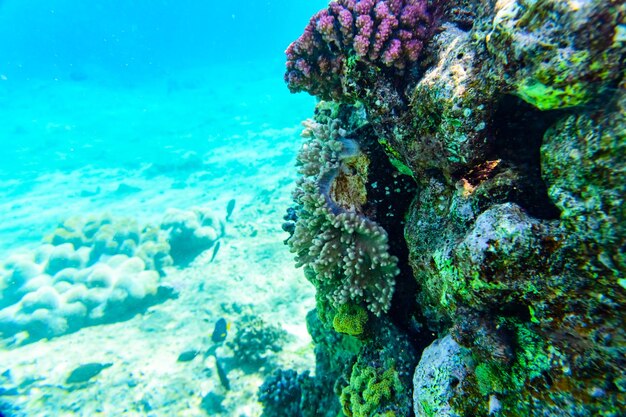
{"points": [[388, 34]]}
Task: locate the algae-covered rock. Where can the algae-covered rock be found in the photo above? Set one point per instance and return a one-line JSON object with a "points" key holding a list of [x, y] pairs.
{"points": [[584, 164], [558, 54], [515, 231], [438, 378], [451, 109]]}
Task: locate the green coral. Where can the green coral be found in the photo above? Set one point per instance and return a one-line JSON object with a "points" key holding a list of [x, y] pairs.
{"points": [[369, 391], [350, 319]]}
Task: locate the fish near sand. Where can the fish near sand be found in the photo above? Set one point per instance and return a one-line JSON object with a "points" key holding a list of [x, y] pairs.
{"points": [[221, 373], [85, 372], [220, 331], [215, 249], [219, 335], [229, 209]]}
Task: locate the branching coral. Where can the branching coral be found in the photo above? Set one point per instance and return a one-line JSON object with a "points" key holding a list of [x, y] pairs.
{"points": [[347, 251], [386, 34], [281, 394], [254, 339]]}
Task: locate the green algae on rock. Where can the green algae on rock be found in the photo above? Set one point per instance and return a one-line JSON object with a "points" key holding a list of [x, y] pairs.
{"points": [[558, 54]]}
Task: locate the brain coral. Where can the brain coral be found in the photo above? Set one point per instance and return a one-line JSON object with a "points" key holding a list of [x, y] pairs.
{"points": [[347, 251]]}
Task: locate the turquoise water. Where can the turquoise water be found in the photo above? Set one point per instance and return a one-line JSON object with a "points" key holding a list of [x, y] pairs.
{"points": [[121, 117]]}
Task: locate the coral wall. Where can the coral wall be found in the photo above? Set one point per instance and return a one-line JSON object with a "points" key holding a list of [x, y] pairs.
{"points": [[510, 125]]}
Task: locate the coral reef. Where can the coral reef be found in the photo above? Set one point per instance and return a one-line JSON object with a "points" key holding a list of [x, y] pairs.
{"points": [[379, 381], [515, 231], [370, 376], [305, 395], [353, 36]]}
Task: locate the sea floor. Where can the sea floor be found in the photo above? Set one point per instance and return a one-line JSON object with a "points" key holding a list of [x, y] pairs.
{"points": [[136, 149]]}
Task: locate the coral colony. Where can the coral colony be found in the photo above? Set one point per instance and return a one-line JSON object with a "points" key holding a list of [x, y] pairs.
{"points": [[388, 35], [443, 213]]}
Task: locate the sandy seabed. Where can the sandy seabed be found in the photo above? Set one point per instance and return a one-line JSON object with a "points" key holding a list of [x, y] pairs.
{"points": [[135, 151]]}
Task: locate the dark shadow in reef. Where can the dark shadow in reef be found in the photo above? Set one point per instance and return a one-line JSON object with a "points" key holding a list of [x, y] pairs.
{"points": [[519, 129], [389, 196]]}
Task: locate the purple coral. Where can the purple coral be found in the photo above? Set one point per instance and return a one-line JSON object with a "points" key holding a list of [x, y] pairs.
{"points": [[388, 34]]}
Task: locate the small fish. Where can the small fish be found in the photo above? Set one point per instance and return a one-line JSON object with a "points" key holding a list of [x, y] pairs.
{"points": [[215, 249], [187, 355], [221, 373], [220, 331], [229, 209], [85, 372]]}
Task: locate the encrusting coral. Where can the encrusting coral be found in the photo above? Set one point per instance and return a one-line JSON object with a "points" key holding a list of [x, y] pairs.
{"points": [[350, 319]]}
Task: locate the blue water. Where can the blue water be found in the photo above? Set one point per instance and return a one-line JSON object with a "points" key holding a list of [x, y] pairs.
{"points": [[131, 108], [136, 39], [125, 83]]}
